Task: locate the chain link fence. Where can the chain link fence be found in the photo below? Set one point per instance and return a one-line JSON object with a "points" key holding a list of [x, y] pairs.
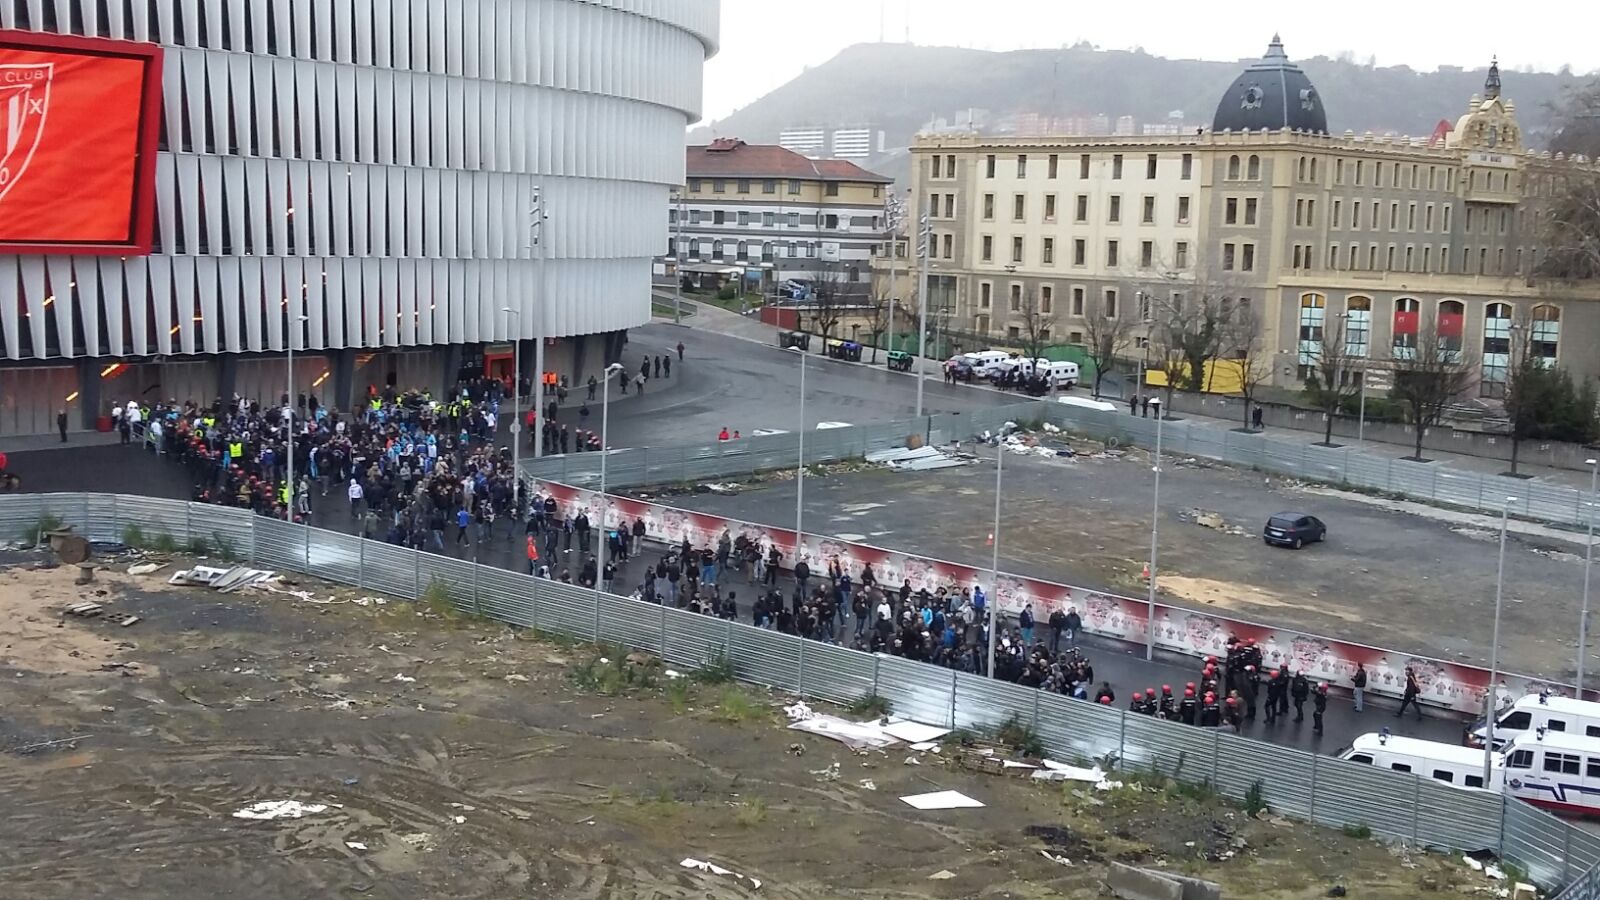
{"points": [[1396, 806]]}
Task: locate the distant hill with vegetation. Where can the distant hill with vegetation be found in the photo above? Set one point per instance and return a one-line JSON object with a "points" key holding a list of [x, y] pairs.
{"points": [[901, 87]]}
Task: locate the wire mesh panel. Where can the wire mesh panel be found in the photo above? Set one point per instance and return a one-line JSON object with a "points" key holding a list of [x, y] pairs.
{"points": [[836, 673], [391, 570], [693, 639], [565, 609], [1538, 841], [766, 657], [506, 596], [1173, 749], [915, 690], [1286, 776], [1073, 730]]}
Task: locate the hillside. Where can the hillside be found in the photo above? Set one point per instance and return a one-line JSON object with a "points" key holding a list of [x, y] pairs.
{"points": [[900, 87]]}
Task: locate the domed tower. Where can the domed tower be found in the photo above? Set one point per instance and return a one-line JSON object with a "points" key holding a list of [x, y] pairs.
{"points": [[1272, 94]]}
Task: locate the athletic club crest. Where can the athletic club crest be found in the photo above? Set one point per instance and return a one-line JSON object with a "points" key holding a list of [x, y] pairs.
{"points": [[24, 101]]}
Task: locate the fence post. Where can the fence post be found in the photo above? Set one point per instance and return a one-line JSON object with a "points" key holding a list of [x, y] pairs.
{"points": [[116, 517], [416, 574], [800, 679], [1566, 856], [1416, 814], [595, 599], [727, 643], [307, 530], [663, 605], [1035, 724], [953, 701], [1313, 812], [361, 562], [533, 601], [1216, 754], [84, 522], [876, 658], [1503, 801], [1480, 492], [253, 536], [1122, 737], [477, 605]]}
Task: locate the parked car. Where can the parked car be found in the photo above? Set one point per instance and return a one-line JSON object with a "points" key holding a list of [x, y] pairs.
{"points": [[960, 368], [1293, 529]]}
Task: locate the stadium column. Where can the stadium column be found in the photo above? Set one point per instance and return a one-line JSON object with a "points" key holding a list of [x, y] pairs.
{"points": [[227, 377], [89, 392], [343, 364]]}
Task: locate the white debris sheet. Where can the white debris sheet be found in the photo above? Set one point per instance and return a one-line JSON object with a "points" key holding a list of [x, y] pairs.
{"points": [[922, 459], [913, 732], [714, 869], [224, 580], [875, 734], [280, 809], [1055, 771], [942, 800]]}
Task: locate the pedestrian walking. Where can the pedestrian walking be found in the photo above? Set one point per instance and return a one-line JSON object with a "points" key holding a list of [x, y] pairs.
{"points": [[639, 383], [658, 367], [666, 366], [1319, 705], [1133, 405], [356, 495], [1409, 698], [680, 351], [1358, 685], [1255, 418], [593, 383], [533, 554], [1146, 401]]}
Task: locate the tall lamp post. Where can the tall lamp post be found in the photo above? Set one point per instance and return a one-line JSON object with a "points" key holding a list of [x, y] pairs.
{"points": [[516, 403], [295, 323], [1155, 519], [536, 219], [994, 560], [1489, 700], [605, 450], [925, 248], [677, 262], [893, 211], [1588, 564], [800, 464]]}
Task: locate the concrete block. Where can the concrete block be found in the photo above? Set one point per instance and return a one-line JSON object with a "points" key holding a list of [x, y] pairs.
{"points": [[1130, 883], [1195, 889]]}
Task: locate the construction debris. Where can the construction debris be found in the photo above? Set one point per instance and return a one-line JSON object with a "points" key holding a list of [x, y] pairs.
{"points": [[87, 609], [145, 568], [279, 809], [224, 580], [714, 869], [921, 459]]}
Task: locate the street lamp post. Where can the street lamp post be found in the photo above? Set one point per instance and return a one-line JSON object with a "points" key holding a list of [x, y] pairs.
{"points": [[1588, 564], [536, 220], [295, 323], [516, 403], [994, 561], [1494, 649], [605, 415], [893, 209], [677, 265], [925, 247], [1361, 417], [800, 463], [1155, 518]]}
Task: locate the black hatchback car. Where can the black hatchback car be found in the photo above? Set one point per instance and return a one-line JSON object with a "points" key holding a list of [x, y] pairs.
{"points": [[1292, 529]]}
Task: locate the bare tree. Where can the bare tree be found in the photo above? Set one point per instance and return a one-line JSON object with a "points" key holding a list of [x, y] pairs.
{"points": [[1245, 343], [827, 298], [878, 320], [1106, 337], [1188, 332], [1427, 379], [1036, 323], [1330, 381], [1571, 232]]}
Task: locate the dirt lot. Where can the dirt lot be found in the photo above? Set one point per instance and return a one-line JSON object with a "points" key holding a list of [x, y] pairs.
{"points": [[1391, 574], [462, 759]]}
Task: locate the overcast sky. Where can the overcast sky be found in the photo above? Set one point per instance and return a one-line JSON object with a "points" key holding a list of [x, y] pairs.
{"points": [[767, 42]]}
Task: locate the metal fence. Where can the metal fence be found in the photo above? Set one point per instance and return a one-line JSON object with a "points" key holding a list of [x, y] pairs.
{"points": [[1339, 465], [1395, 806], [1585, 887], [746, 456]]}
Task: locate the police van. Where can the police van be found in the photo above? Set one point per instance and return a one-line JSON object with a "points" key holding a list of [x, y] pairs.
{"points": [[1452, 764], [1535, 711], [1556, 770]]}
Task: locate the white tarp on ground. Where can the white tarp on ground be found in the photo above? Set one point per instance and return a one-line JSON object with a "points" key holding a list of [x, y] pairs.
{"points": [[942, 800], [877, 733], [913, 732], [714, 869]]}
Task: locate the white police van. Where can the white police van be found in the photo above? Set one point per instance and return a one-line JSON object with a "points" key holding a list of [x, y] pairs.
{"points": [[1452, 764], [1535, 711]]}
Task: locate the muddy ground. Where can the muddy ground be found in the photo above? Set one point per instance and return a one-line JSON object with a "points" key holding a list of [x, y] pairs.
{"points": [[1391, 574], [465, 760]]}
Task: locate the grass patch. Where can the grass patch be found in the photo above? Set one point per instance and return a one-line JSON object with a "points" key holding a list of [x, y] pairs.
{"points": [[1019, 737], [438, 599], [227, 548], [751, 812], [963, 737], [871, 706], [678, 695], [133, 536], [611, 674], [734, 705], [1255, 800], [164, 543], [1359, 830], [717, 669], [199, 546], [34, 534]]}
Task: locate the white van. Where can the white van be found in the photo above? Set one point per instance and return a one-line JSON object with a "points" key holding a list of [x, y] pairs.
{"points": [[1560, 772], [1535, 711], [1449, 763], [1086, 403], [1063, 374], [986, 361]]}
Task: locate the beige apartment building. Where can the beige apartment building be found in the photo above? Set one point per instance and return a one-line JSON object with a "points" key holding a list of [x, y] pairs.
{"points": [[1393, 234]]}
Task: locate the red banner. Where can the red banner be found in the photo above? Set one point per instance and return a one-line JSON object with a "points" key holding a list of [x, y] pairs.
{"points": [[1445, 684], [1405, 323]]}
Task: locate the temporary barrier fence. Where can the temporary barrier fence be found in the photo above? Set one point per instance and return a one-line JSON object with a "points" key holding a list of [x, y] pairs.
{"points": [[1396, 806]]}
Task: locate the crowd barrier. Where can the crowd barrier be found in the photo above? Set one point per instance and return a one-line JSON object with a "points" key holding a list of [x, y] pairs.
{"points": [[1584, 887], [1396, 806], [1445, 684]]}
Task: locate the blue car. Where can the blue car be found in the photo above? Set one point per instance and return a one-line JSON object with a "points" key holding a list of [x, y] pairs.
{"points": [[1292, 529]]}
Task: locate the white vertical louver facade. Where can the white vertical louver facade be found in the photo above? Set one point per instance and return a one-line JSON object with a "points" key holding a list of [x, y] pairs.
{"points": [[371, 164]]}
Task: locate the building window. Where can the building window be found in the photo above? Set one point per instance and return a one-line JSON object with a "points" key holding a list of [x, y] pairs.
{"points": [[1022, 165], [1049, 207], [1446, 220], [1111, 254], [832, 190], [1150, 166], [1013, 332], [1114, 213], [794, 186], [949, 246], [936, 163], [794, 220], [1109, 306], [1546, 334], [1048, 252], [1016, 297], [987, 243], [949, 206], [1253, 168], [1405, 327], [1183, 210], [718, 186], [1247, 257], [1496, 366], [744, 185], [1313, 308], [1250, 211], [1180, 255], [1333, 256], [1116, 166], [1186, 170], [1336, 214], [988, 166], [1230, 211], [1148, 216], [988, 207], [1016, 250], [1083, 166], [1081, 213], [1233, 168], [1077, 301], [1080, 252], [1451, 325], [1019, 207], [769, 219], [985, 295], [1052, 165], [1228, 260], [1358, 326], [719, 217], [981, 324], [1147, 254], [694, 185], [950, 166]]}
